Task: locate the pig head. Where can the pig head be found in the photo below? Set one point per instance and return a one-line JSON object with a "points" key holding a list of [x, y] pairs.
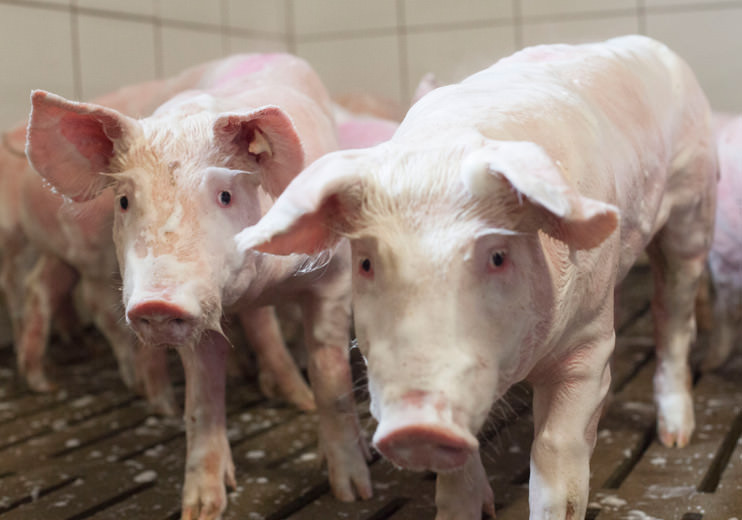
{"points": [[173, 245], [498, 242]]}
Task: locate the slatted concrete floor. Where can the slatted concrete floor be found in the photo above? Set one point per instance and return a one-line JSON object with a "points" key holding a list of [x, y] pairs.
{"points": [[93, 451]]}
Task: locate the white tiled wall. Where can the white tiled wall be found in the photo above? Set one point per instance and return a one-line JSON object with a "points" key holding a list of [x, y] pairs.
{"points": [[83, 48]]}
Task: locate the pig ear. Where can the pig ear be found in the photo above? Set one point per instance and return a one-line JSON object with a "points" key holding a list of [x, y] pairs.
{"points": [[267, 136], [584, 223], [314, 210], [70, 144]]}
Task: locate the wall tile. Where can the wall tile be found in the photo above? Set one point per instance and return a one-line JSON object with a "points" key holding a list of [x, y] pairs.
{"points": [[427, 12], [239, 44], [579, 31], [709, 41], [650, 4], [258, 15], [200, 11], [331, 16], [550, 7], [37, 54], [140, 7], [453, 55], [114, 52], [201, 46], [58, 2], [356, 65]]}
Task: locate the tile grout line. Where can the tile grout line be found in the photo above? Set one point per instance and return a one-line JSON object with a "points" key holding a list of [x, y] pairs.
{"points": [[290, 26], [157, 41], [77, 85], [517, 24], [402, 55]]}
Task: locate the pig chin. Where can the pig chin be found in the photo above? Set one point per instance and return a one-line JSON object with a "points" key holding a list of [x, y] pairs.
{"points": [[421, 431]]}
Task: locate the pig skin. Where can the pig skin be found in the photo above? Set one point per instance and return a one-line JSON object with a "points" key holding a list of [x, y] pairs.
{"points": [[487, 237]]}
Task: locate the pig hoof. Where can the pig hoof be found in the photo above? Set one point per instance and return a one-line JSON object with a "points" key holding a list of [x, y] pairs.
{"points": [[348, 474], [675, 422], [38, 382], [164, 405], [205, 500]]}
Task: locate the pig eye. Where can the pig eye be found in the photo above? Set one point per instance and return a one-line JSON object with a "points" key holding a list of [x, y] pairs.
{"points": [[225, 198], [123, 203], [497, 260], [365, 268]]}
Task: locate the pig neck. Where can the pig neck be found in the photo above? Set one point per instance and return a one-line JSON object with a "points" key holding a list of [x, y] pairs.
{"points": [[266, 278]]}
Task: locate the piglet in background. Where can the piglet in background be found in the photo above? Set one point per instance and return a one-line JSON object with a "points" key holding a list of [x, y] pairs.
{"points": [[487, 238], [725, 257], [208, 163]]}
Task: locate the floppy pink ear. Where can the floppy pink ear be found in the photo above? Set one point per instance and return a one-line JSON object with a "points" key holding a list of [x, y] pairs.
{"points": [[584, 223], [266, 136], [313, 211], [70, 144]]}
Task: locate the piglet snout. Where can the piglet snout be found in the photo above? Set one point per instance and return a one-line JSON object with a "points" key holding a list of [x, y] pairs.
{"points": [[160, 322], [421, 434]]}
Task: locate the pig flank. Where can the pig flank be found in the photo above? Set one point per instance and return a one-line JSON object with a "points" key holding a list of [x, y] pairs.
{"points": [[487, 242]]}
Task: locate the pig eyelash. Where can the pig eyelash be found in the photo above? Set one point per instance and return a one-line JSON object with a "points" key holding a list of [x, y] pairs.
{"points": [[365, 269], [497, 260], [225, 198]]}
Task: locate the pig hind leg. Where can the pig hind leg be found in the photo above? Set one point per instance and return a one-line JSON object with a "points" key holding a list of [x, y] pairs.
{"points": [[727, 316], [47, 286], [278, 373], [327, 333], [15, 254], [678, 256]]}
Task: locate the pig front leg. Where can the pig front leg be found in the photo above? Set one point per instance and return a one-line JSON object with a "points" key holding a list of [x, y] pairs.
{"points": [[327, 329], [567, 402], [465, 493], [46, 287], [208, 457], [278, 373]]}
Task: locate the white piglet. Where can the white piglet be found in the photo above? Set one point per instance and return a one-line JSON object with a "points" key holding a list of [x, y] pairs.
{"points": [[487, 238], [206, 164]]}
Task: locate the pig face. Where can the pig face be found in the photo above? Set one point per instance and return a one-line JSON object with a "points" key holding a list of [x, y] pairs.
{"points": [[455, 255], [184, 184]]}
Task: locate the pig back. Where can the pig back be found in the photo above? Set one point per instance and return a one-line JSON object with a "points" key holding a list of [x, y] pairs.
{"points": [[249, 81], [614, 117]]}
